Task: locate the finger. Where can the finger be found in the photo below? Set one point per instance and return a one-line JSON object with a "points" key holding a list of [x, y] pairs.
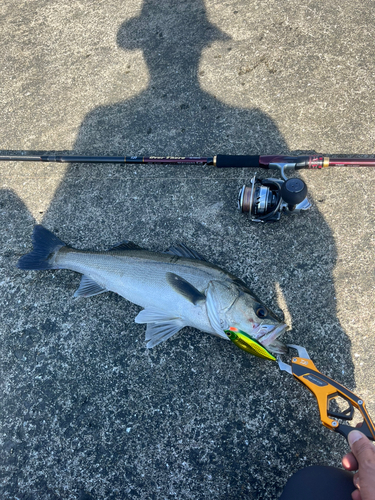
{"points": [[362, 448], [356, 480], [356, 495], [349, 462]]}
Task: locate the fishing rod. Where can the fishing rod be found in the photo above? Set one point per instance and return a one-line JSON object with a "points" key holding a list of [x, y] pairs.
{"points": [[264, 200], [220, 161]]}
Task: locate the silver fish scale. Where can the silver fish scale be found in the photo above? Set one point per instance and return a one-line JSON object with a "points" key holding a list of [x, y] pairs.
{"points": [[174, 290], [140, 277]]}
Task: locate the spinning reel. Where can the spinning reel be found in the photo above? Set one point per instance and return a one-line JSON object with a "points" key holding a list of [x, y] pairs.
{"points": [[266, 199]]}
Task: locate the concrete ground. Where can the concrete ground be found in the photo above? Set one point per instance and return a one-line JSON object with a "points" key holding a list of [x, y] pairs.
{"points": [[87, 411]]}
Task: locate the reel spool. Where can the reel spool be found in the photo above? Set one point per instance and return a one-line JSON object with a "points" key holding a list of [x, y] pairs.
{"points": [[266, 199]]}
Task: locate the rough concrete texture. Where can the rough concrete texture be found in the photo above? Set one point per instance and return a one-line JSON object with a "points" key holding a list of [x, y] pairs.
{"points": [[87, 411]]}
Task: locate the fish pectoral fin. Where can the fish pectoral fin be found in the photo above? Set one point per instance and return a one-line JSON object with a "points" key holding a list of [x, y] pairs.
{"points": [[184, 288], [88, 288], [217, 323], [182, 250], [160, 325]]}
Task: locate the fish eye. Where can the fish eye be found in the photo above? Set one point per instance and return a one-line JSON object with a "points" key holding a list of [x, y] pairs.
{"points": [[261, 312]]}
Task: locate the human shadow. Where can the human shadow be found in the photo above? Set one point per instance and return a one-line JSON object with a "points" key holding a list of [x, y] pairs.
{"points": [[97, 205]]}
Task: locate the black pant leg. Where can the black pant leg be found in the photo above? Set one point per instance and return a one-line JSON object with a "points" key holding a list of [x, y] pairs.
{"points": [[319, 483]]}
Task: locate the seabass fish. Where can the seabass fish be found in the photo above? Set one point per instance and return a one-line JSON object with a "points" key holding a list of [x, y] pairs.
{"points": [[176, 288]]}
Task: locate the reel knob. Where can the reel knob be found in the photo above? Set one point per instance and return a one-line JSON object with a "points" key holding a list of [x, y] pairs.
{"points": [[293, 191]]}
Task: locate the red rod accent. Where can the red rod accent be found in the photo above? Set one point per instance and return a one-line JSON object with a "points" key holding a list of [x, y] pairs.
{"points": [[352, 162]]}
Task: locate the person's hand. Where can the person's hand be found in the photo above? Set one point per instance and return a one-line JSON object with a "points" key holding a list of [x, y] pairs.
{"points": [[362, 460]]}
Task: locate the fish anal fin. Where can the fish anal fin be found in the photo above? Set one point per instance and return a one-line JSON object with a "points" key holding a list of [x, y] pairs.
{"points": [[184, 288], [88, 288]]}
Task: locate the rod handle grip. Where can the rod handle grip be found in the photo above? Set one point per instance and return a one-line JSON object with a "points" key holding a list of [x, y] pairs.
{"points": [[237, 161]]}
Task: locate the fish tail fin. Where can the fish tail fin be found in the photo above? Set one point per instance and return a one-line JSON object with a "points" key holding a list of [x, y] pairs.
{"points": [[45, 244]]}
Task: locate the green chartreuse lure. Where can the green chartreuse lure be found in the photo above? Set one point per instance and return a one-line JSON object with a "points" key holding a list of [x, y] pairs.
{"points": [[246, 343]]}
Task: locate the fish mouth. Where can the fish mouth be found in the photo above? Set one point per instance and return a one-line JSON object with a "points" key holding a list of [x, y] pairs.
{"points": [[267, 335]]}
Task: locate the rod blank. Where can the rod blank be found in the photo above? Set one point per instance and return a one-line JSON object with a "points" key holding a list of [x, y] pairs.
{"points": [[220, 161]]}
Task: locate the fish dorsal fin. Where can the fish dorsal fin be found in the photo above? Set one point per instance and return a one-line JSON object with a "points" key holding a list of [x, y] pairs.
{"points": [[182, 250], [160, 325], [88, 288], [126, 245], [212, 307], [184, 288]]}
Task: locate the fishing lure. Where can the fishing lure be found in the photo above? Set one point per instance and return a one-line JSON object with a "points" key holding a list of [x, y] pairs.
{"points": [[248, 344]]}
